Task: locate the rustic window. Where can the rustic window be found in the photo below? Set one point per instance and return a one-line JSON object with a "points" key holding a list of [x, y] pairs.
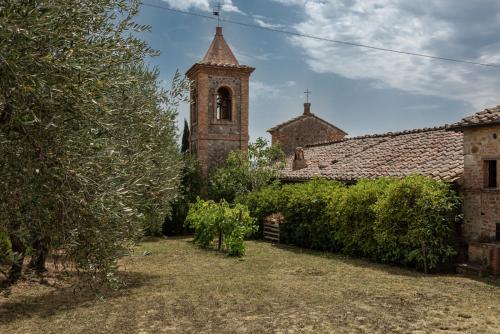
{"points": [[223, 104], [491, 173], [497, 238]]}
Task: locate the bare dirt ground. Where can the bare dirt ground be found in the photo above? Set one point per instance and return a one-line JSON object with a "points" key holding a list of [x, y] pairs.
{"points": [[178, 288]]}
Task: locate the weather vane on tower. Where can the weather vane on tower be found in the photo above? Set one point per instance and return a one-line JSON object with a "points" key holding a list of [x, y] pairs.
{"points": [[217, 11]]}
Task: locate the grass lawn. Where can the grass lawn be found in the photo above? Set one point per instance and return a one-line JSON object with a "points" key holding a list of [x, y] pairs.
{"points": [[180, 288]]}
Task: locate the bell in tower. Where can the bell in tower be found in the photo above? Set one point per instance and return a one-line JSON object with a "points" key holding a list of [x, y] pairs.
{"points": [[219, 105]]}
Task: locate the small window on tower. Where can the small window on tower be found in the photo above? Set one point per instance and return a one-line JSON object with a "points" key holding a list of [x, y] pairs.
{"points": [[490, 167], [223, 107], [497, 238]]}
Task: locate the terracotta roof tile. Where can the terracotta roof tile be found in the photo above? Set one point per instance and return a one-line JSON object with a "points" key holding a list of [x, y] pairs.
{"points": [[483, 118], [298, 118], [219, 51], [431, 152]]}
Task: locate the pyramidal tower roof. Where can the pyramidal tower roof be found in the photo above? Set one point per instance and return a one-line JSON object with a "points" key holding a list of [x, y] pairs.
{"points": [[219, 55], [219, 52]]}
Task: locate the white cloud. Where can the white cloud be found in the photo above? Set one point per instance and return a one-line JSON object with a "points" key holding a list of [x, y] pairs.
{"points": [[259, 20], [188, 4], [439, 29], [255, 56], [277, 91], [261, 90], [292, 2], [204, 5]]}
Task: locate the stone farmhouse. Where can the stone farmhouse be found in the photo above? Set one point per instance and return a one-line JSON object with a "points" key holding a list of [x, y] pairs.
{"points": [[466, 153]]}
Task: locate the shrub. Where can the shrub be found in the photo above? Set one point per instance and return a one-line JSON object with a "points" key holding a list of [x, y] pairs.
{"points": [[408, 221], [352, 217], [244, 172], [414, 222], [263, 203], [230, 224], [5, 249], [192, 186], [304, 207]]}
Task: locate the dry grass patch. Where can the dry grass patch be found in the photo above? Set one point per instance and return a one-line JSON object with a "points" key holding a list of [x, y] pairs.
{"points": [[180, 288]]}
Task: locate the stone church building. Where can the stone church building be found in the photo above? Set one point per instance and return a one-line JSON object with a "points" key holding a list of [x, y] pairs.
{"points": [[304, 130], [466, 153]]}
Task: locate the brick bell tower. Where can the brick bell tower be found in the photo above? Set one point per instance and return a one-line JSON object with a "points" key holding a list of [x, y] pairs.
{"points": [[219, 105]]}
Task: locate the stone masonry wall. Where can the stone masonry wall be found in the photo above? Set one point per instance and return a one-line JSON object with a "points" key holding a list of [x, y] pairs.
{"points": [[218, 150], [481, 204], [304, 131], [212, 139]]}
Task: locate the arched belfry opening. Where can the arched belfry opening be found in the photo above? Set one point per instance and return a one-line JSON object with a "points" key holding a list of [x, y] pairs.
{"points": [[223, 104]]}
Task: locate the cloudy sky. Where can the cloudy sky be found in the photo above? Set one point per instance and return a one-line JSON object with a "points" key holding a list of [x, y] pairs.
{"points": [[359, 90]]}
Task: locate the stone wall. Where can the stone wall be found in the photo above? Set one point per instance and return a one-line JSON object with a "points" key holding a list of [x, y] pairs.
{"points": [[212, 139], [304, 131], [481, 204], [218, 150]]}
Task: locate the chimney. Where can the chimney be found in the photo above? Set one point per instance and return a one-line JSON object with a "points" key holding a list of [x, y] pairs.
{"points": [[299, 161], [307, 109]]}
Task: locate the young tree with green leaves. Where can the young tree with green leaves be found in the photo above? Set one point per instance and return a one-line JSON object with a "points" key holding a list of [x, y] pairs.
{"points": [[229, 224], [89, 155]]}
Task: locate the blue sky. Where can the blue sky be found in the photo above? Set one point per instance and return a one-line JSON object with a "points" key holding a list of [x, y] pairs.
{"points": [[361, 91]]}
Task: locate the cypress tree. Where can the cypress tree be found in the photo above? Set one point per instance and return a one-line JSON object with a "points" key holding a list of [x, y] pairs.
{"points": [[185, 137]]}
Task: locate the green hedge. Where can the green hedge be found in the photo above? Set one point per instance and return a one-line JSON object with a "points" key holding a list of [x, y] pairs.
{"points": [[262, 203], [352, 217], [304, 207], [406, 221]]}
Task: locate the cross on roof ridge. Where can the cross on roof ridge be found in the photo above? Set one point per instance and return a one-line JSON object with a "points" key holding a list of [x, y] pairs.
{"points": [[307, 92]]}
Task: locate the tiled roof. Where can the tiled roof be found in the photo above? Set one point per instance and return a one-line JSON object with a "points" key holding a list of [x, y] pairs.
{"points": [[483, 118], [431, 152], [219, 52], [298, 118], [223, 65]]}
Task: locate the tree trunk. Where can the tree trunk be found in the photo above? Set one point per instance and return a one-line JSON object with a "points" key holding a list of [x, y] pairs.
{"points": [[220, 240], [6, 114], [20, 250], [41, 250], [424, 252]]}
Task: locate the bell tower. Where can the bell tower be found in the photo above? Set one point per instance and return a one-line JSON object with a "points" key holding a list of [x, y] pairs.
{"points": [[219, 96]]}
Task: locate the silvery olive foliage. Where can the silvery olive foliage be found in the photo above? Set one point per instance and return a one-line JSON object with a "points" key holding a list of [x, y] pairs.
{"points": [[89, 156]]}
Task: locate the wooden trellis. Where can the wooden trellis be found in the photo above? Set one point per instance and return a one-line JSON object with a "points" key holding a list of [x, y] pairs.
{"points": [[272, 227]]}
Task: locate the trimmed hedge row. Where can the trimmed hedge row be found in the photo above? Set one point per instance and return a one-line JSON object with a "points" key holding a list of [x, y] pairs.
{"points": [[406, 221]]}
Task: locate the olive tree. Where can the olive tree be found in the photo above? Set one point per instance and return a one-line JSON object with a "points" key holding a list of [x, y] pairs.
{"points": [[89, 156]]}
